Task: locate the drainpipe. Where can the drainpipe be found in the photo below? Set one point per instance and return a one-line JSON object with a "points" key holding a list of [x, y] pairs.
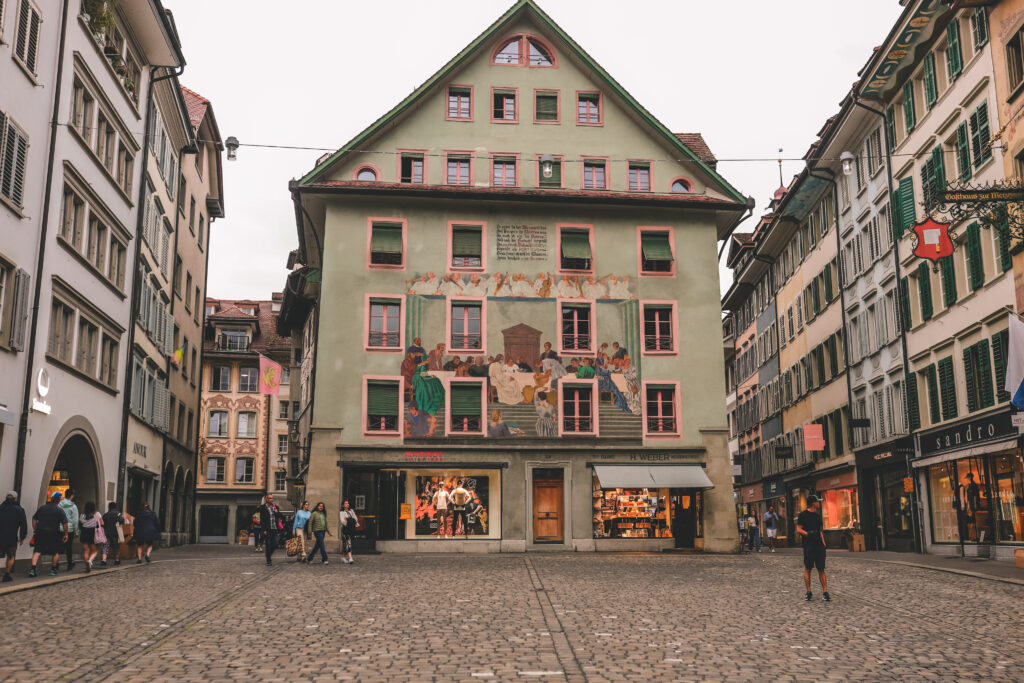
{"points": [[19, 459]]}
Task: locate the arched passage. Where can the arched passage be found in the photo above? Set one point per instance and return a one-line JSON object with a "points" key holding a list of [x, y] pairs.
{"points": [[75, 468]]}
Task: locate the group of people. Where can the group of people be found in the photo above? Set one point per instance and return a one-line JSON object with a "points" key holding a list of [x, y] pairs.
{"points": [[306, 522], [752, 531], [58, 521]]}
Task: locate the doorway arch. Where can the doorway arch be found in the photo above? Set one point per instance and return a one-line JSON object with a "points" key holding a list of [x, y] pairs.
{"points": [[74, 462]]}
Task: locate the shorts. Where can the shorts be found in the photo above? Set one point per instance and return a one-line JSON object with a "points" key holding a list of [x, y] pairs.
{"points": [[49, 543], [9, 551], [772, 533], [814, 556]]}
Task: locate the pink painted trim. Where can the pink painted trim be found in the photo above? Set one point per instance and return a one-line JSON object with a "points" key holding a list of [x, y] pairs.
{"points": [[490, 103], [560, 158], [676, 406], [640, 254], [524, 50], [404, 222], [569, 381], [558, 106], [607, 172], [400, 299], [558, 245], [398, 164], [509, 155], [600, 107], [471, 103], [452, 350], [448, 405], [650, 173], [367, 167], [401, 408], [689, 183], [674, 327], [592, 351], [472, 166], [483, 246]]}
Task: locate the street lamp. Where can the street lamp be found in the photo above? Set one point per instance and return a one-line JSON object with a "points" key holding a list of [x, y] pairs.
{"points": [[845, 157], [547, 165], [232, 146]]}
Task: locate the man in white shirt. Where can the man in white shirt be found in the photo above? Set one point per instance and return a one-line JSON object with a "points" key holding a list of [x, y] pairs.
{"points": [[441, 498]]}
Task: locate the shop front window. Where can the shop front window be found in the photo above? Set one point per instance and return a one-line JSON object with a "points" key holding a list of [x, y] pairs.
{"points": [[839, 508], [972, 496], [1008, 476], [942, 505], [454, 504], [634, 513]]}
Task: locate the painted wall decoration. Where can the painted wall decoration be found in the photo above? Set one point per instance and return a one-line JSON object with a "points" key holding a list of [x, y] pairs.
{"points": [[543, 285]]}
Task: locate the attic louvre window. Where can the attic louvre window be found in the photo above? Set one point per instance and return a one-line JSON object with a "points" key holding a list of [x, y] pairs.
{"points": [[522, 50]]}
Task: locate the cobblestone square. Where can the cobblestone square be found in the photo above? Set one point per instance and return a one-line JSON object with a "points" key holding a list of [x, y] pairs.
{"points": [[210, 614]]}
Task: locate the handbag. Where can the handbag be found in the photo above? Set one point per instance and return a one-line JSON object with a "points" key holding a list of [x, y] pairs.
{"points": [[120, 533], [101, 535], [292, 546]]}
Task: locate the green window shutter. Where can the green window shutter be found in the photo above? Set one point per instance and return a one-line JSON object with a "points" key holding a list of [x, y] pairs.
{"points": [[948, 280], [912, 405], [890, 126], [979, 25], [909, 115], [963, 151], [999, 351], [1003, 230], [547, 107], [954, 57], [928, 182], [980, 135], [466, 399], [974, 261], [972, 387], [931, 90], [985, 398], [947, 387], [382, 398], [938, 170], [816, 297], [386, 239], [908, 321], [466, 242], [828, 283], [576, 244], [655, 246], [933, 394], [907, 207], [924, 285]]}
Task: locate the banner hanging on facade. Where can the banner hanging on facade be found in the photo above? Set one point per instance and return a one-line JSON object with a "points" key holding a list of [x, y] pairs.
{"points": [[270, 376]]}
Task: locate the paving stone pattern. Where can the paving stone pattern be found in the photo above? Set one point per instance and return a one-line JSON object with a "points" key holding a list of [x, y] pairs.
{"points": [[550, 617]]}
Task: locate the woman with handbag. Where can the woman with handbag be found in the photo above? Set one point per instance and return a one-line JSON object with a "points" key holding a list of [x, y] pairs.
{"points": [[91, 534], [112, 524], [318, 524], [299, 529], [348, 520]]}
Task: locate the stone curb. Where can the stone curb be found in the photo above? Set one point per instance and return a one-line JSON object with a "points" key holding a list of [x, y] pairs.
{"points": [[951, 570], [40, 582]]}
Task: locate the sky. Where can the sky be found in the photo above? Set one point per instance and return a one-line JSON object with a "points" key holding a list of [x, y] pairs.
{"points": [[751, 76]]}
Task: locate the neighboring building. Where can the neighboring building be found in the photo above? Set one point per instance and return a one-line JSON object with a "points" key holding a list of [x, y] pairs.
{"points": [[283, 408], [729, 349], [509, 208], [235, 456]]}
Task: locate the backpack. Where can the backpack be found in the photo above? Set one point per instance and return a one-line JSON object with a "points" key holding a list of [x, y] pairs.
{"points": [[350, 525]]}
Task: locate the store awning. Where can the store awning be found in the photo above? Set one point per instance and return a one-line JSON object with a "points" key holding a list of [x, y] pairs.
{"points": [[652, 477], [989, 447]]}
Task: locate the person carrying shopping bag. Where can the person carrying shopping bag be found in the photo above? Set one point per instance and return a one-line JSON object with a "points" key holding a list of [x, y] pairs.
{"points": [[318, 525], [299, 529], [348, 520], [92, 535]]}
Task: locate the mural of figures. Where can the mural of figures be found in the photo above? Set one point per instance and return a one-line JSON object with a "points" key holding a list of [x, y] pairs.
{"points": [[451, 505], [522, 286]]}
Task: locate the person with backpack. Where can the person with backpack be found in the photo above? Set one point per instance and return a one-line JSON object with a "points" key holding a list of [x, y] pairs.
{"points": [[113, 521], [348, 520], [771, 526], [70, 510], [460, 500], [13, 530], [318, 525], [147, 531]]}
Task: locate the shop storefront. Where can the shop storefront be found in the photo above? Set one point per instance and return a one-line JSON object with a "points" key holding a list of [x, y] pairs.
{"points": [[887, 495], [974, 474], [839, 511]]}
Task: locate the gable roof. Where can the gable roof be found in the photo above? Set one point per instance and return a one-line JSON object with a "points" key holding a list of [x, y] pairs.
{"points": [[697, 145], [196, 105], [530, 7]]}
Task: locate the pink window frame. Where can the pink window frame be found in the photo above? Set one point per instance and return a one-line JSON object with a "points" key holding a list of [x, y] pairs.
{"points": [[398, 164], [674, 325], [404, 222], [607, 172], [600, 107], [559, 227], [672, 181], [472, 166], [482, 381], [446, 95], [483, 246], [450, 303], [589, 352], [558, 107], [650, 173], [496, 90], [511, 155], [640, 229], [676, 406], [400, 300], [524, 54], [367, 167], [566, 383], [364, 416], [560, 158]]}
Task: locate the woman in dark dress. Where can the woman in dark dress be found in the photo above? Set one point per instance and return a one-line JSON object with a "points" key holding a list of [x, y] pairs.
{"points": [[147, 531]]}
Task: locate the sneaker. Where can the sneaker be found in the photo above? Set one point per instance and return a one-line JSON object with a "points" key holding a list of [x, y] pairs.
{"points": [[103, 563], [325, 561], [268, 563], [826, 597], [7, 577], [88, 566], [147, 559], [773, 550], [138, 560], [71, 565], [32, 571], [809, 596], [53, 572], [117, 563]]}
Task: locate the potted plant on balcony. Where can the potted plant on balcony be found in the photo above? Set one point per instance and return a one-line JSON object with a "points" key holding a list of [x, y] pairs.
{"points": [[129, 85], [98, 15], [119, 66]]}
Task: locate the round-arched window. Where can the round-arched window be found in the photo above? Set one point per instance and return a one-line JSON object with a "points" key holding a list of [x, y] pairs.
{"points": [[523, 50], [681, 186], [366, 173]]}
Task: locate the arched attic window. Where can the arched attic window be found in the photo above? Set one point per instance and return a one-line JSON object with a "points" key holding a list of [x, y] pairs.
{"points": [[368, 173], [681, 186], [524, 50]]}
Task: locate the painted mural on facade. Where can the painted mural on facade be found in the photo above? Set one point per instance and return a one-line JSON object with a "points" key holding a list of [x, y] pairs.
{"points": [[543, 285]]}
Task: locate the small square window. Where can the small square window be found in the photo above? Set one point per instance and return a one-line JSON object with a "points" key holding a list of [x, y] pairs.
{"points": [[639, 176], [546, 109], [383, 405], [656, 255], [503, 172], [505, 108], [466, 325], [457, 171], [460, 103], [588, 108], [385, 324], [215, 469], [244, 470], [575, 253], [466, 247], [220, 378], [594, 177], [386, 244], [412, 169]]}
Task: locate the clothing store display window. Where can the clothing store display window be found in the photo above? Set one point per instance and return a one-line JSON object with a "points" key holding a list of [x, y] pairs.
{"points": [[1008, 496], [988, 493], [839, 508], [454, 504]]}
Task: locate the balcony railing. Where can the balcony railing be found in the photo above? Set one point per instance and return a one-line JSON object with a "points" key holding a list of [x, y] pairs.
{"points": [[385, 339], [465, 423], [466, 341], [576, 342], [661, 424], [232, 344], [657, 342], [582, 424], [382, 423]]}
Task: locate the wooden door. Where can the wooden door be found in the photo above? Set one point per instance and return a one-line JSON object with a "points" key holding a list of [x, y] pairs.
{"points": [[548, 507]]}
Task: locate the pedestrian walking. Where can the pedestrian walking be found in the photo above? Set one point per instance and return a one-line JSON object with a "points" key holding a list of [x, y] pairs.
{"points": [[318, 525], [71, 512], [13, 530], [270, 525], [771, 526], [91, 535], [809, 527], [299, 529], [753, 532], [348, 520], [113, 522], [257, 531], [50, 528], [147, 532]]}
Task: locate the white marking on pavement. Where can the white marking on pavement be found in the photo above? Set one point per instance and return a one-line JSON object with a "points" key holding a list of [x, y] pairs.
{"points": [[483, 674], [541, 673], [602, 634], [674, 661]]}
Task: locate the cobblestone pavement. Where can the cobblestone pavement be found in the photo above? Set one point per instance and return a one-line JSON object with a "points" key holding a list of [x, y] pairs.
{"points": [[223, 615]]}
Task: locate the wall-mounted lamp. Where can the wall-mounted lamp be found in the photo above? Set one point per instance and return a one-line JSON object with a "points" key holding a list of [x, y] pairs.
{"points": [[845, 157], [547, 165], [232, 146]]}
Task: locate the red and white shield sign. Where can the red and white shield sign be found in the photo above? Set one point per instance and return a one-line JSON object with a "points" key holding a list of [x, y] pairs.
{"points": [[933, 240]]}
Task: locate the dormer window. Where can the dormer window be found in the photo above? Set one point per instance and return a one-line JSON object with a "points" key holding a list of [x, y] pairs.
{"points": [[233, 340], [524, 50], [366, 173]]}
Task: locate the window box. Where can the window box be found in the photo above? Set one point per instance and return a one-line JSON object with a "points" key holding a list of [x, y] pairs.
{"points": [[577, 324], [382, 405], [661, 410], [467, 325], [466, 406], [467, 247], [385, 322], [386, 243], [575, 248], [459, 106], [577, 407], [660, 336], [655, 252]]}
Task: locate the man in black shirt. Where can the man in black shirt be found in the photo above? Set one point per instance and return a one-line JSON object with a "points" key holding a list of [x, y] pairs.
{"points": [[809, 528], [50, 525]]}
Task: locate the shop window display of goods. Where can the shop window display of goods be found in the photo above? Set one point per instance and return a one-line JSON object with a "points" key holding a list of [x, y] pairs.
{"points": [[631, 513]]}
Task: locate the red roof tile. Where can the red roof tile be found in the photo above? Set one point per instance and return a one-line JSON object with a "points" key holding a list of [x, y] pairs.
{"points": [[196, 105], [697, 145]]}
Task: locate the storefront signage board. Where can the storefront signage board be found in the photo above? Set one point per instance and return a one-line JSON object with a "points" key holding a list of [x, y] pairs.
{"points": [[751, 494], [774, 488], [908, 484], [963, 435], [1017, 419], [783, 452], [838, 481], [405, 511], [424, 456]]}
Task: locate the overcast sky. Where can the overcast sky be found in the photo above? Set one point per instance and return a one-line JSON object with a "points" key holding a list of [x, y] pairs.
{"points": [[752, 76]]}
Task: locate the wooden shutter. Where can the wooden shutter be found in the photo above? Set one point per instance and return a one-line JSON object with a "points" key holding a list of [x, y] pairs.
{"points": [[938, 170], [979, 27], [909, 115], [1003, 236], [556, 175], [976, 266], [984, 378], [21, 37], [931, 90], [924, 284], [576, 244], [907, 209], [963, 151], [948, 281], [905, 304], [913, 409], [933, 394], [465, 400], [386, 239], [1000, 342], [954, 57], [890, 126], [947, 387], [19, 313], [32, 54], [382, 398], [972, 385], [827, 277]]}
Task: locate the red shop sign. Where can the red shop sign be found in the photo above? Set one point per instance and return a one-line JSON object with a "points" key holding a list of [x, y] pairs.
{"points": [[838, 481], [424, 456]]}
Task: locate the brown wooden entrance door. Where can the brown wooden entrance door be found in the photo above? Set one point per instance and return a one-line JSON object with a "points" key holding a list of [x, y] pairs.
{"points": [[548, 506]]}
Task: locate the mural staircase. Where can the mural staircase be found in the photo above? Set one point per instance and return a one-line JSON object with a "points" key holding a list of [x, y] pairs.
{"points": [[612, 421]]}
